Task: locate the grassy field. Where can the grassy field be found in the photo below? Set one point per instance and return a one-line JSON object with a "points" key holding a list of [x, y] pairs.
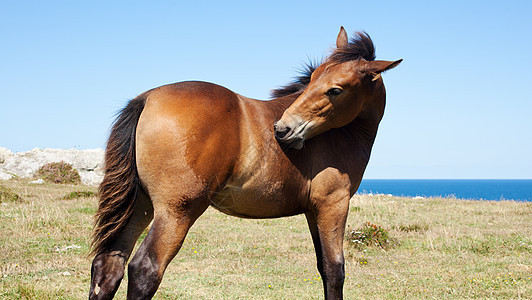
{"points": [[440, 249]]}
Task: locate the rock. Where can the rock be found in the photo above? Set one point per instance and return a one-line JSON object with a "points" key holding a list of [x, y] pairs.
{"points": [[5, 154], [89, 163], [5, 176], [61, 249], [38, 181], [91, 177]]}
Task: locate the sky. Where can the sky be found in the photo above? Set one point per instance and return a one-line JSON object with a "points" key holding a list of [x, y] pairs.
{"points": [[458, 106]]}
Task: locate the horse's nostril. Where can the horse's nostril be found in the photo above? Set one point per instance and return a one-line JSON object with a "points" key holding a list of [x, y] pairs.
{"points": [[281, 131]]}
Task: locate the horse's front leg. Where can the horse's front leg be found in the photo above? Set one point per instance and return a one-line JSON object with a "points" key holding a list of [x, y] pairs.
{"points": [[327, 226]]}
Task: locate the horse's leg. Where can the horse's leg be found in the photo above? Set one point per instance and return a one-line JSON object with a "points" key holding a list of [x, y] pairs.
{"points": [[108, 267], [170, 226], [327, 226], [313, 227]]}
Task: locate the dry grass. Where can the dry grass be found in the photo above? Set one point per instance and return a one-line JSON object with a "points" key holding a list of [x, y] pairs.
{"points": [[446, 248]]}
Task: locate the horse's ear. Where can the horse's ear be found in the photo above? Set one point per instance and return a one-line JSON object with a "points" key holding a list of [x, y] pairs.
{"points": [[341, 40], [375, 68]]}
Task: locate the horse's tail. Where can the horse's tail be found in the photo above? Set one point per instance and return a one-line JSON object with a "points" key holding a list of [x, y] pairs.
{"points": [[120, 186]]}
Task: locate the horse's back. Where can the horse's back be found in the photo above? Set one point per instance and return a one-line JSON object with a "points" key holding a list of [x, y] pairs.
{"points": [[187, 137], [194, 100]]}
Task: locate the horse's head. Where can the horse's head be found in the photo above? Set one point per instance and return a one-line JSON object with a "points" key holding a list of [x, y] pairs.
{"points": [[347, 84]]}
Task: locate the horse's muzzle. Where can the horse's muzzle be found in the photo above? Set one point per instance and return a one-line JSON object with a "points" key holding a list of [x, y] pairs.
{"points": [[286, 138], [281, 131]]}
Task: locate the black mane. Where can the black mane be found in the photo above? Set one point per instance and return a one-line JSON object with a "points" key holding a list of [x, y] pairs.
{"points": [[359, 47], [299, 83]]}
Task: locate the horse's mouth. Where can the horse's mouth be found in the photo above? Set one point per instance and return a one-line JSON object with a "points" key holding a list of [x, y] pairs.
{"points": [[290, 138], [288, 143]]}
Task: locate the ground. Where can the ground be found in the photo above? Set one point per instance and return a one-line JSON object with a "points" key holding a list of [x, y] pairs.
{"points": [[439, 248]]}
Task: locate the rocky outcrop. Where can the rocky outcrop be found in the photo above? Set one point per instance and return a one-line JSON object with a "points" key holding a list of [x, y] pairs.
{"points": [[89, 163], [5, 154]]}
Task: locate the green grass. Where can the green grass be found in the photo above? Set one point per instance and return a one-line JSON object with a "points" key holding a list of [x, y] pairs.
{"points": [[446, 249], [79, 194]]}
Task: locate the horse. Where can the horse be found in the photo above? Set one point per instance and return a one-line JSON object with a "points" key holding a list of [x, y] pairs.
{"points": [[175, 150]]}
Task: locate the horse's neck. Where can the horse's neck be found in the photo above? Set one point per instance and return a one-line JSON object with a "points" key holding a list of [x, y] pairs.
{"points": [[279, 105], [364, 128], [359, 135]]}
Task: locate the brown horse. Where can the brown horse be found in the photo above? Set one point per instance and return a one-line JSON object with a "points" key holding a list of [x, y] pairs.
{"points": [[180, 148]]}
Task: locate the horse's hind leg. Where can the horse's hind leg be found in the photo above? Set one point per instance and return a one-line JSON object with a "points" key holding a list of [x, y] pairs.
{"points": [[108, 266], [167, 233]]}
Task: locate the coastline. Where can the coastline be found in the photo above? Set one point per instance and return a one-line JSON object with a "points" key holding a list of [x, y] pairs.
{"points": [[472, 189]]}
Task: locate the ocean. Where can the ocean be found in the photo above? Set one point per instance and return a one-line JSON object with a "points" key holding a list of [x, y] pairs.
{"points": [[479, 189]]}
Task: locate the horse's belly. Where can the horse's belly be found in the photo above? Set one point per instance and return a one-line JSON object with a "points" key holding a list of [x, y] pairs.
{"points": [[257, 199]]}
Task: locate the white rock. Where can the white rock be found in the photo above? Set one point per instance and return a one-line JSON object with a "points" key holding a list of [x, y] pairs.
{"points": [[91, 177], [60, 249], [89, 163], [38, 181], [5, 176], [5, 154]]}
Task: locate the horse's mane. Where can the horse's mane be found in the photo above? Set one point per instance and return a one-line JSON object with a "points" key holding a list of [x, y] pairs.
{"points": [[359, 47], [299, 83]]}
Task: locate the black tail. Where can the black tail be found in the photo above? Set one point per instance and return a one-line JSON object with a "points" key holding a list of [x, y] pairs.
{"points": [[119, 188]]}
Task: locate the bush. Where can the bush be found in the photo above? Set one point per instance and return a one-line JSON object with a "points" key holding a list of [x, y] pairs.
{"points": [[368, 235], [58, 172]]}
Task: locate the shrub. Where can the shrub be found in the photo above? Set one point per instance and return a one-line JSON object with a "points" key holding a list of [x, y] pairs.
{"points": [[368, 235], [58, 172], [7, 195], [78, 194]]}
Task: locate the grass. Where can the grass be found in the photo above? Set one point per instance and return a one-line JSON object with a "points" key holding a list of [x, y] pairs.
{"points": [[6, 195], [446, 249], [79, 194]]}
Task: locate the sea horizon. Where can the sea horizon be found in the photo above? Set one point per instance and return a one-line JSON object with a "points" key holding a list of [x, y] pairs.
{"points": [[474, 189]]}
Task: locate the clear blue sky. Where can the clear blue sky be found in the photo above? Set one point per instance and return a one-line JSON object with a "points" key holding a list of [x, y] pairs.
{"points": [[459, 106]]}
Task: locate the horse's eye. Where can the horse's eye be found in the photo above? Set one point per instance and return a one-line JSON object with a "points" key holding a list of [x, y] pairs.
{"points": [[334, 92]]}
